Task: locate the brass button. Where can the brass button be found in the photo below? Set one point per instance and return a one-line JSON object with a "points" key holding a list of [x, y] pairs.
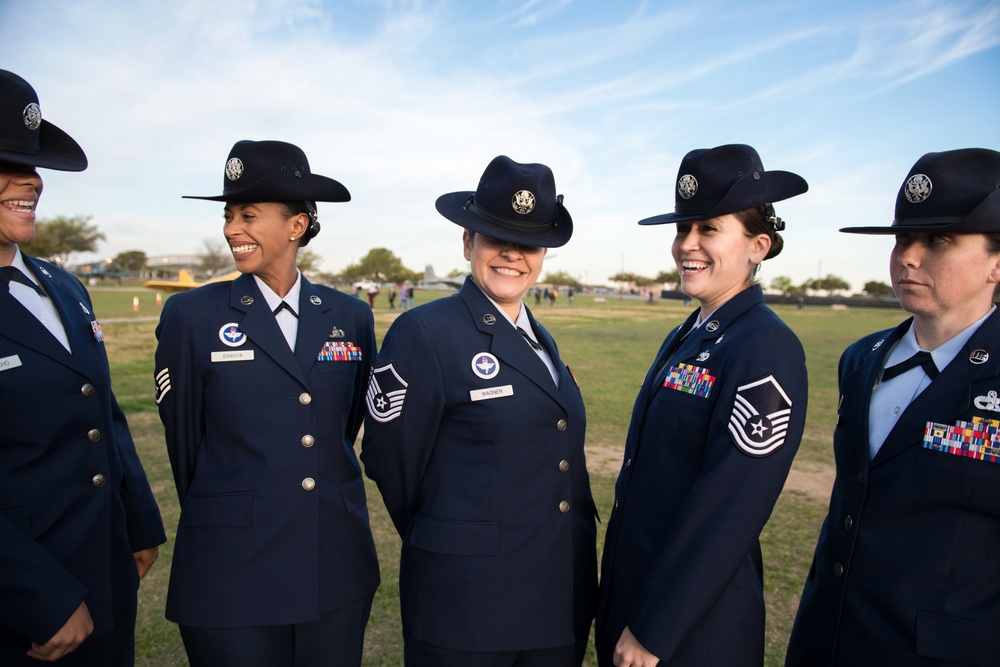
{"points": [[87, 390], [561, 425], [94, 435], [848, 522], [838, 570], [308, 484], [308, 440], [98, 480], [305, 398], [563, 465], [564, 507]]}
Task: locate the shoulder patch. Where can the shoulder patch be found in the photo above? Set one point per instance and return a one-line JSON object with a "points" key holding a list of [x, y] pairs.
{"points": [[386, 394], [759, 420]]}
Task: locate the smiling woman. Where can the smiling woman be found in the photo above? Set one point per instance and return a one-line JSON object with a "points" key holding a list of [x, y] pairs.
{"points": [[475, 434]]}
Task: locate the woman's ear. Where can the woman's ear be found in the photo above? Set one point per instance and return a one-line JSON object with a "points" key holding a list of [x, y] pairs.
{"points": [[467, 245], [761, 246]]}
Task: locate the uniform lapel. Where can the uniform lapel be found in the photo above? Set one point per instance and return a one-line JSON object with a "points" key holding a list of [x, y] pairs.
{"points": [[259, 325], [312, 331], [949, 396]]}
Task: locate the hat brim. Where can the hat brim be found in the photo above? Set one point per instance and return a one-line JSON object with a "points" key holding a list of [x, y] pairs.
{"points": [[984, 219], [284, 186], [453, 207], [56, 150], [746, 193]]}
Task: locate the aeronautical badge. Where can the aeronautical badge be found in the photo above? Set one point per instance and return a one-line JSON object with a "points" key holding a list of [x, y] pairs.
{"points": [[687, 186], [162, 384], [918, 188], [760, 417], [485, 365], [95, 326], [386, 393], [231, 335]]}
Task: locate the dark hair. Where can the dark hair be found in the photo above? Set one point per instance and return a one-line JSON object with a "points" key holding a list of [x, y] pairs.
{"points": [[762, 220], [293, 208], [993, 241]]}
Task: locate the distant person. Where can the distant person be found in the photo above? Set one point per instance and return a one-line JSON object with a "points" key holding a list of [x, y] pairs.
{"points": [[372, 294], [801, 303], [906, 571], [475, 436], [260, 387], [79, 526], [392, 297], [538, 296], [714, 429], [569, 296]]}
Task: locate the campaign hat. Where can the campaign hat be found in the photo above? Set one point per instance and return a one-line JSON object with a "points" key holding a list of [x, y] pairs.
{"points": [[28, 139], [726, 179], [513, 202], [954, 191]]}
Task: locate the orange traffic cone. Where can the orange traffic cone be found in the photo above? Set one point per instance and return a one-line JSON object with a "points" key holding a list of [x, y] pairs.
{"points": [[159, 300], [135, 304]]}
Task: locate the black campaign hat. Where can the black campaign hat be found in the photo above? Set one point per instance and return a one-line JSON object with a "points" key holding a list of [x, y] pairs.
{"points": [[514, 202], [27, 139], [953, 191], [726, 179], [273, 171]]}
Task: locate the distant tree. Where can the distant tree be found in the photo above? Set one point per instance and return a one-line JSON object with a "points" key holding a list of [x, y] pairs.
{"points": [[308, 261], [831, 284], [783, 284], [456, 273], [55, 239], [671, 277], [130, 261], [380, 264], [562, 278], [877, 288], [214, 257]]}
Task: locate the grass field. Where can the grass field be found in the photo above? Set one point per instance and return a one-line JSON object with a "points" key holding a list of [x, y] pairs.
{"points": [[609, 345]]}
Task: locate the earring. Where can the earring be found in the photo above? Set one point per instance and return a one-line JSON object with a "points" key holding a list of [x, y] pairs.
{"points": [[291, 238]]}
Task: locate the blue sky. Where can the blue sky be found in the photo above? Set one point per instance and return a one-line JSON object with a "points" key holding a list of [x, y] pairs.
{"points": [[404, 100]]}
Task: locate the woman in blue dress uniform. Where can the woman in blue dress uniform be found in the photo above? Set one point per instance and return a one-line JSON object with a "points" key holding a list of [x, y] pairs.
{"points": [[713, 432], [907, 568], [260, 385], [475, 434], [79, 526]]}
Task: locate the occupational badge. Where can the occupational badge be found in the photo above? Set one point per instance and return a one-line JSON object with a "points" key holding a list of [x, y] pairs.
{"points": [[231, 336], [687, 186], [523, 202], [336, 333], [702, 357], [485, 366], [386, 394], [759, 421], [989, 402], [918, 188]]}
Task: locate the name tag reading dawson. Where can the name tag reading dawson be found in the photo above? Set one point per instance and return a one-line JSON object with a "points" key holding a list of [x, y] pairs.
{"points": [[491, 392], [240, 355], [7, 363]]}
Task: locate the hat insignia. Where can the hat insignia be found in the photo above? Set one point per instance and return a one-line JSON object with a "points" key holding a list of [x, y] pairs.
{"points": [[32, 116], [523, 202], [234, 168], [687, 186], [918, 188]]}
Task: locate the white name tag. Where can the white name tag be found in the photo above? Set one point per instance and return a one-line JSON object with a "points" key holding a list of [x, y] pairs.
{"points": [[491, 392], [10, 362], [241, 355]]}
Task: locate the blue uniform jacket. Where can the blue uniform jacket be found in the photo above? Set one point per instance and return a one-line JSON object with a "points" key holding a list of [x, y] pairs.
{"points": [[705, 460], [907, 568], [274, 523], [74, 500], [481, 465]]}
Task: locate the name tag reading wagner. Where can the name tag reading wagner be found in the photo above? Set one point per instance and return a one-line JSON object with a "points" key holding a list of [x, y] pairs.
{"points": [[491, 392], [235, 355], [7, 363]]}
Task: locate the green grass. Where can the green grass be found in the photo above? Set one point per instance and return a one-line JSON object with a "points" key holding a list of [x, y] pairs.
{"points": [[609, 345]]}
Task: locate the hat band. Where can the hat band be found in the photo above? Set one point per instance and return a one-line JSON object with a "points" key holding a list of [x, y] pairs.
{"points": [[689, 208], [506, 223]]}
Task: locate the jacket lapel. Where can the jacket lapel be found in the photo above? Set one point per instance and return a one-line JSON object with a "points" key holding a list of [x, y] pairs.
{"points": [[313, 311], [259, 324]]}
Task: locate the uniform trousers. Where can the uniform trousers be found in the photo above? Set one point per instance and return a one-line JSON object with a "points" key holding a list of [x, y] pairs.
{"points": [[108, 649], [421, 654], [334, 640]]}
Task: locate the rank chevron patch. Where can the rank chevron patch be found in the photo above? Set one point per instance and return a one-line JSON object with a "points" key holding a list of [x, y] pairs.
{"points": [[386, 393], [760, 416]]}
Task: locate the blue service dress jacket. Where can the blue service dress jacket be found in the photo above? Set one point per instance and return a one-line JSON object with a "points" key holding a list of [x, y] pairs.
{"points": [[274, 522], [907, 567], [75, 503], [714, 429], [480, 461]]}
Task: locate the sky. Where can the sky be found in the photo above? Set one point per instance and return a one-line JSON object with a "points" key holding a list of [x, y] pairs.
{"points": [[405, 100]]}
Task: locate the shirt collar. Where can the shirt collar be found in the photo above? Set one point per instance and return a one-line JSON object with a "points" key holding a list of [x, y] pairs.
{"points": [[273, 300], [943, 355]]}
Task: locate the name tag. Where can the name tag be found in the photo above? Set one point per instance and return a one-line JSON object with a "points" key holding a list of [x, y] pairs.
{"points": [[241, 355], [491, 392], [10, 362]]}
